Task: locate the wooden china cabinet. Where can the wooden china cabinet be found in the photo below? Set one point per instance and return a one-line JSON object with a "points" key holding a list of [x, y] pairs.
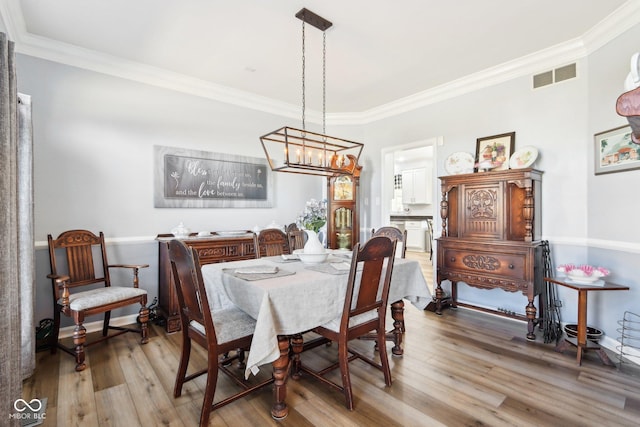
{"points": [[491, 235], [343, 229]]}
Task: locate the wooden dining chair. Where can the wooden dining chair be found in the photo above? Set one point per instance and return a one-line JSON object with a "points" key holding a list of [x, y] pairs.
{"points": [[219, 332], [75, 273], [394, 233], [364, 311], [297, 239], [272, 242], [291, 227]]}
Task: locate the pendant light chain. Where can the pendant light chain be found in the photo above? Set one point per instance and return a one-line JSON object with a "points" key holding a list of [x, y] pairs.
{"points": [[303, 85], [324, 82]]}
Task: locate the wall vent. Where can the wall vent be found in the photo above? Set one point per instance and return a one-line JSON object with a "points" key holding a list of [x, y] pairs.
{"points": [[542, 79], [554, 76]]}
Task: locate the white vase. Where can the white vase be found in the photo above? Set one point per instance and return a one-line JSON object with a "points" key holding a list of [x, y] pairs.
{"points": [[313, 245]]}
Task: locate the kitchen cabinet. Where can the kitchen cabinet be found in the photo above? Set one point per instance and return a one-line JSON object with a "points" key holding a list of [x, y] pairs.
{"points": [[416, 235], [491, 235], [416, 186]]}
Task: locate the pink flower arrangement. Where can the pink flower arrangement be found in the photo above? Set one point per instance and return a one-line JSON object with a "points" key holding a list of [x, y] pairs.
{"points": [[583, 270]]}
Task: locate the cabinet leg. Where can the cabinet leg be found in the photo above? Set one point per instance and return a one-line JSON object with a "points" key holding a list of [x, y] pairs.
{"points": [[439, 294]]}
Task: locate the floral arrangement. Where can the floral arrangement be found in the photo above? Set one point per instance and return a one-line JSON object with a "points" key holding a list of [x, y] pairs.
{"points": [[583, 270], [314, 215]]}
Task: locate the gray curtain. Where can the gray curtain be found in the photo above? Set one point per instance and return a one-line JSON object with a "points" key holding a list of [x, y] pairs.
{"points": [[16, 250], [26, 254]]}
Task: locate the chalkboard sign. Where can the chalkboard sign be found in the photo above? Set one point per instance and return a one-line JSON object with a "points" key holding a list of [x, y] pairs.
{"points": [[188, 178]]}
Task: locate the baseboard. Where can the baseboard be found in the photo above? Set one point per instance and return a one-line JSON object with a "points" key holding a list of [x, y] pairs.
{"points": [[97, 325]]}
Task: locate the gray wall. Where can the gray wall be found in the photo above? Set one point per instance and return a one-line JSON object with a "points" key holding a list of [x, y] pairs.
{"points": [[93, 164]]}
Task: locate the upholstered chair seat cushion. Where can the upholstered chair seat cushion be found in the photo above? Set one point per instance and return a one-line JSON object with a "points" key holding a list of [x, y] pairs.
{"points": [[86, 300], [334, 325], [229, 323]]}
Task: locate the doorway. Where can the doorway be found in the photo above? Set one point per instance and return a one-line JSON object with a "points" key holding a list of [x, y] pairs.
{"points": [[396, 208]]}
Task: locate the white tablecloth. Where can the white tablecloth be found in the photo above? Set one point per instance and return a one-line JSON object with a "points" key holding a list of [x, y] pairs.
{"points": [[294, 304]]}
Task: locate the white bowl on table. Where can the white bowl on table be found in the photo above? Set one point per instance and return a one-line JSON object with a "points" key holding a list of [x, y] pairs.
{"points": [[580, 276], [313, 258]]}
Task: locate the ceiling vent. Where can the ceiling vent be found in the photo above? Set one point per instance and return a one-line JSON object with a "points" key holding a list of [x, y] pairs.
{"points": [[554, 76]]}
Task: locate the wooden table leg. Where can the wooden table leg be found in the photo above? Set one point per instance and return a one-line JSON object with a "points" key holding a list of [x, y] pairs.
{"points": [[397, 313], [279, 410], [582, 325], [297, 345]]}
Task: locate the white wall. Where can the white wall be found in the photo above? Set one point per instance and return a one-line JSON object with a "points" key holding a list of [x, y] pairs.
{"points": [[94, 137]]}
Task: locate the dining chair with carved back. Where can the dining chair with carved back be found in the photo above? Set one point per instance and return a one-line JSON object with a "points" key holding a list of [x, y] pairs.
{"points": [[82, 287], [394, 233], [272, 242], [219, 332], [291, 227], [297, 238], [400, 236], [364, 311]]}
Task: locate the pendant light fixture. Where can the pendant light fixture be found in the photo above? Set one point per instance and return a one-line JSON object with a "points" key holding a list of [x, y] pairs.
{"points": [[301, 151]]}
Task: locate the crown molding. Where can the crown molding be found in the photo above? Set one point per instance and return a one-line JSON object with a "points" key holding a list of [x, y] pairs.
{"points": [[621, 20]]}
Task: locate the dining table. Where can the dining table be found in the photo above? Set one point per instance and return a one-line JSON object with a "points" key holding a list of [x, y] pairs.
{"points": [[287, 298]]}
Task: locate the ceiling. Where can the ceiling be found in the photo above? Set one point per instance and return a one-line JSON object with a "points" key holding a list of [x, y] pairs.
{"points": [[381, 55]]}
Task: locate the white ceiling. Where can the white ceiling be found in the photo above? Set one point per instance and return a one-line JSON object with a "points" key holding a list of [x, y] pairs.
{"points": [[381, 54]]}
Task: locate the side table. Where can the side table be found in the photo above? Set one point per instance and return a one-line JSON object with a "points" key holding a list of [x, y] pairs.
{"points": [[581, 342]]}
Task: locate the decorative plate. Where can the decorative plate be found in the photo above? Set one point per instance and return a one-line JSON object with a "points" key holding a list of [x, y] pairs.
{"points": [[458, 163], [524, 157]]}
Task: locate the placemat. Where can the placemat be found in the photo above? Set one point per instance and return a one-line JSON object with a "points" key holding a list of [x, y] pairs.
{"points": [[328, 268], [284, 258], [258, 276]]}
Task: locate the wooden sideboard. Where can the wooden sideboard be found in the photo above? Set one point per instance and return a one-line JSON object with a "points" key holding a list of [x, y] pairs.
{"points": [[211, 249], [491, 235]]}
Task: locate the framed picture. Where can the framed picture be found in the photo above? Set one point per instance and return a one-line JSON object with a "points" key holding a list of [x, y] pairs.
{"points": [[493, 152], [186, 178], [615, 152]]}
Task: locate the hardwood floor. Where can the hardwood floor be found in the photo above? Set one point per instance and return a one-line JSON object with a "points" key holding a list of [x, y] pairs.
{"points": [[460, 369]]}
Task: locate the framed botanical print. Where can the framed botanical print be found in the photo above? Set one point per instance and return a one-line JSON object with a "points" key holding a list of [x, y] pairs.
{"points": [[493, 152]]}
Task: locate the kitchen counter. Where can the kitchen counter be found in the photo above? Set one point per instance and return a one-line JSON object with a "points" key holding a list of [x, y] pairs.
{"points": [[410, 217]]}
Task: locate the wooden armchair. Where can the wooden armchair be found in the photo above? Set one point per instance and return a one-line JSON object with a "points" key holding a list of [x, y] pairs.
{"points": [[219, 332], [364, 311], [272, 242], [73, 268]]}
